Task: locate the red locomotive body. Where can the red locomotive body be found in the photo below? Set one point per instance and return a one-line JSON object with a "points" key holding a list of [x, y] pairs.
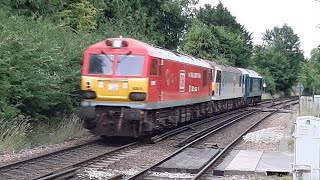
{"points": [[131, 88]]}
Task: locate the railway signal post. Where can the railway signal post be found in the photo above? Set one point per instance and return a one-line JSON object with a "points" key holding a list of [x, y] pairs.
{"points": [[299, 89]]}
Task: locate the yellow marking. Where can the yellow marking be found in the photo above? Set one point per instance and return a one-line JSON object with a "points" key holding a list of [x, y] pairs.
{"points": [[214, 87], [115, 89]]}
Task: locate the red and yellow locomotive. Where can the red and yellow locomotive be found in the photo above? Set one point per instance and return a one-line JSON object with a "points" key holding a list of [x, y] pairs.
{"points": [[131, 88]]}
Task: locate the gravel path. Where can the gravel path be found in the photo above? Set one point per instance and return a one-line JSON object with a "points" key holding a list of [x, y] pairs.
{"points": [[271, 134], [252, 177], [28, 153], [228, 134]]}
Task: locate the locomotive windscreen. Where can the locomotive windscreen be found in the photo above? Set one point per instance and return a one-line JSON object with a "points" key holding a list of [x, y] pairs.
{"points": [[130, 65], [101, 64]]}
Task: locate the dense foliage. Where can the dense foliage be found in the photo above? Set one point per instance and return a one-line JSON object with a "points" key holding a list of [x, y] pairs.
{"points": [[42, 42], [279, 58], [215, 34], [310, 72], [39, 67]]}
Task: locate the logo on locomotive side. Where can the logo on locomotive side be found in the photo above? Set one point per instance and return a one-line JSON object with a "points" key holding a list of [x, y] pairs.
{"points": [[182, 83]]}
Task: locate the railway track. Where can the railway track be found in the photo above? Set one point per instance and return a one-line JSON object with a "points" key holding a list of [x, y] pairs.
{"points": [[67, 162], [206, 172], [60, 163], [199, 124], [199, 137]]}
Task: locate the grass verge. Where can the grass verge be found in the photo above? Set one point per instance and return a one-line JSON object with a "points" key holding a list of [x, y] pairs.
{"points": [[308, 108], [15, 136], [47, 134]]}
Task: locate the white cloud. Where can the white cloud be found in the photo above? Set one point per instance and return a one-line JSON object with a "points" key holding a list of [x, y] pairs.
{"points": [[259, 15]]}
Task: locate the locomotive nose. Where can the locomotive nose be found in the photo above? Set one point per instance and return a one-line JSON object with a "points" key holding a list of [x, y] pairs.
{"points": [[116, 89], [113, 90]]}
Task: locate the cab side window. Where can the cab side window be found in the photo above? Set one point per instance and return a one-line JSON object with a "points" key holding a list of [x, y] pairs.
{"points": [[218, 77], [205, 77], [154, 67]]}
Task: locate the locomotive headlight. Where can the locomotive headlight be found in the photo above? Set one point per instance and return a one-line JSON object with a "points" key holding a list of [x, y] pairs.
{"points": [[88, 94], [117, 44], [138, 96], [88, 84]]}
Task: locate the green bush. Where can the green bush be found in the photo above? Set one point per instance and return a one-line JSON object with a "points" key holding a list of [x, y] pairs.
{"points": [[40, 66]]}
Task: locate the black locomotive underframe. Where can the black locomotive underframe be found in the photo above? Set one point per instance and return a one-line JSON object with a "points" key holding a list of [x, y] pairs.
{"points": [[123, 121]]}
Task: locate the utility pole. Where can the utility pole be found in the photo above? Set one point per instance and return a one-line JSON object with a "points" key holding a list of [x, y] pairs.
{"points": [[299, 101], [313, 89], [299, 89]]}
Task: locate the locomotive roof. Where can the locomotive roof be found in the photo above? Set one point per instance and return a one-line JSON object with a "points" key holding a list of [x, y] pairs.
{"points": [[221, 67], [228, 68], [211, 63], [165, 54], [251, 73], [141, 47]]}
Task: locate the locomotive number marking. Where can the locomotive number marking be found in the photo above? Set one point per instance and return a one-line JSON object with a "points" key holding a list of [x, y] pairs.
{"points": [[182, 83], [137, 88], [113, 87], [100, 84], [125, 85]]}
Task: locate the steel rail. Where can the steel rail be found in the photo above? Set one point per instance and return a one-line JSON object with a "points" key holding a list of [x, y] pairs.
{"points": [[8, 166], [175, 131], [78, 164], [212, 128], [229, 146], [136, 176], [203, 170], [141, 173]]}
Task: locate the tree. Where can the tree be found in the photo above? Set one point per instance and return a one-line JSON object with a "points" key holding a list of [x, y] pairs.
{"points": [[200, 42], [80, 16], [310, 72], [163, 22], [216, 34], [315, 54], [281, 54]]}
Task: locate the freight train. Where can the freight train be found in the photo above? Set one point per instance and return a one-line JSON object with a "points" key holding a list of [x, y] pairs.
{"points": [[132, 89]]}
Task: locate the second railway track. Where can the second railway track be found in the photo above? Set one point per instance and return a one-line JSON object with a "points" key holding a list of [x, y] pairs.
{"points": [[62, 160], [67, 162], [198, 140]]}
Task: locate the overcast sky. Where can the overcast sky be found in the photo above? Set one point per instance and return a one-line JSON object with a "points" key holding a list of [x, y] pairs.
{"points": [[259, 15]]}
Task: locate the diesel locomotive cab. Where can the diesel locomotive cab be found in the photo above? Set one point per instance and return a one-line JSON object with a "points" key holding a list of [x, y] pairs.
{"points": [[112, 76]]}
